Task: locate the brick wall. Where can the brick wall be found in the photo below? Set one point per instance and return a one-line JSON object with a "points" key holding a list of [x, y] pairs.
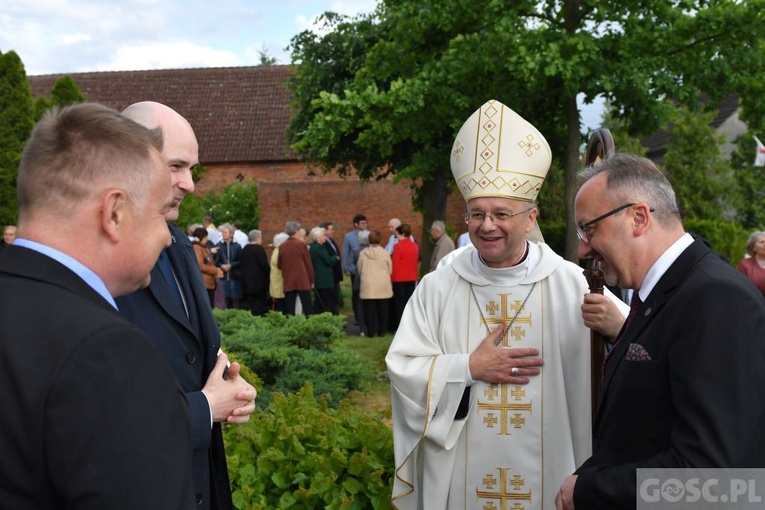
{"points": [[288, 192]]}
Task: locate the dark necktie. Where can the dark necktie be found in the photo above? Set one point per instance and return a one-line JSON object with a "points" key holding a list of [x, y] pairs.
{"points": [[634, 307], [167, 275]]}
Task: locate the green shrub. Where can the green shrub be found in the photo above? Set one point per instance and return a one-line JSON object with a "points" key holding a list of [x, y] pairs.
{"points": [[302, 454], [335, 373], [725, 237], [287, 352], [312, 332]]}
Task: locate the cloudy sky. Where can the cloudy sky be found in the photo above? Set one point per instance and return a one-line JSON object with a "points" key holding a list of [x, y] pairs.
{"points": [[70, 36], [67, 36]]}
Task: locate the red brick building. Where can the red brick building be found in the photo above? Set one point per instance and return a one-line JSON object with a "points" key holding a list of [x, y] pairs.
{"points": [[240, 115]]}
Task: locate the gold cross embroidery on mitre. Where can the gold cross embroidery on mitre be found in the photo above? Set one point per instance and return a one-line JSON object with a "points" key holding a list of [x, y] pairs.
{"points": [[506, 317], [529, 145], [503, 494], [504, 408]]}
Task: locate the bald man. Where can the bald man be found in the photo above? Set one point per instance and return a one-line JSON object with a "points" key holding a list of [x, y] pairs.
{"points": [[392, 225], [174, 312]]}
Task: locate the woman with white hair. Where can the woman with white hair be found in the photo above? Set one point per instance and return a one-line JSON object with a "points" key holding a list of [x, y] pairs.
{"points": [[276, 289], [323, 264], [229, 259]]}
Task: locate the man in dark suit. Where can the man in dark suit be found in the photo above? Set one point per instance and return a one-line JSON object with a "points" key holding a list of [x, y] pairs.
{"points": [[684, 384], [174, 312], [92, 417], [337, 269]]}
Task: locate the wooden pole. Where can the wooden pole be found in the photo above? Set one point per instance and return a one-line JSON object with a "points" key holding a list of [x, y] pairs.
{"points": [[601, 144]]}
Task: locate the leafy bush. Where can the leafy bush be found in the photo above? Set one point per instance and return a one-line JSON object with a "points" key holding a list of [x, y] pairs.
{"points": [[236, 202], [726, 238], [287, 352], [302, 454]]}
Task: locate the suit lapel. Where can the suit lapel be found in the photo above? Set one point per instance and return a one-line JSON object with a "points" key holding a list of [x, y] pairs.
{"points": [[166, 300], [652, 305], [163, 294], [179, 261], [333, 246], [203, 324]]}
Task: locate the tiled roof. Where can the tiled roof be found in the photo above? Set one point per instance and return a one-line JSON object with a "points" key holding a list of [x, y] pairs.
{"points": [[239, 114]]}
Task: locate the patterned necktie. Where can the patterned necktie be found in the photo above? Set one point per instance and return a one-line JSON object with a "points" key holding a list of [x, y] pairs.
{"points": [[634, 307]]}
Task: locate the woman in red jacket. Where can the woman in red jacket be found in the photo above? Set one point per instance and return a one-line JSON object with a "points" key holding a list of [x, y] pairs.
{"points": [[754, 266], [406, 259]]}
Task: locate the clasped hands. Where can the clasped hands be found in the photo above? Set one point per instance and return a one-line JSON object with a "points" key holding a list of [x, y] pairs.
{"points": [[232, 399], [494, 364]]}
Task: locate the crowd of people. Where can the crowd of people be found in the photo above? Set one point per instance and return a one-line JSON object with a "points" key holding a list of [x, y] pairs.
{"points": [[302, 275]]}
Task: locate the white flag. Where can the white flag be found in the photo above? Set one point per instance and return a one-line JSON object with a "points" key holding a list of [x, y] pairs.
{"points": [[759, 159]]}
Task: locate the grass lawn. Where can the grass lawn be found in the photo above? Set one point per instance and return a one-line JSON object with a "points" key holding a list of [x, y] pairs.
{"points": [[376, 398]]}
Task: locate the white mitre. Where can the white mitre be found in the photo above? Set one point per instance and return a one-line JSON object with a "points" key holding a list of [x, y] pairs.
{"points": [[497, 153]]}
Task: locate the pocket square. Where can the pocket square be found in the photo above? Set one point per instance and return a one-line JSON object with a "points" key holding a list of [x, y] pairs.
{"points": [[637, 352]]}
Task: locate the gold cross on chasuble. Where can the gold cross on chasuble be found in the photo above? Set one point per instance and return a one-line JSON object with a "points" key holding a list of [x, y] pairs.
{"points": [[503, 495], [506, 317], [504, 407]]}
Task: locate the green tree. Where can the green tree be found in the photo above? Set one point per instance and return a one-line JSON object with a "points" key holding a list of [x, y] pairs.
{"points": [[65, 92], [236, 202], [194, 209], [623, 141], [264, 59], [386, 93], [16, 124], [749, 185], [694, 166]]}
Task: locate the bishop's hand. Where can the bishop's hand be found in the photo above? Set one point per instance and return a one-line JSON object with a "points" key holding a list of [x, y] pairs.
{"points": [[493, 364]]}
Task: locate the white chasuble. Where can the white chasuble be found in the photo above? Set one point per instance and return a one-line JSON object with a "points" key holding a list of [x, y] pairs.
{"points": [[518, 442]]}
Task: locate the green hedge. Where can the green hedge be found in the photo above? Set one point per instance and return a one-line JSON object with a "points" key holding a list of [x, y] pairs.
{"points": [[303, 454]]}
